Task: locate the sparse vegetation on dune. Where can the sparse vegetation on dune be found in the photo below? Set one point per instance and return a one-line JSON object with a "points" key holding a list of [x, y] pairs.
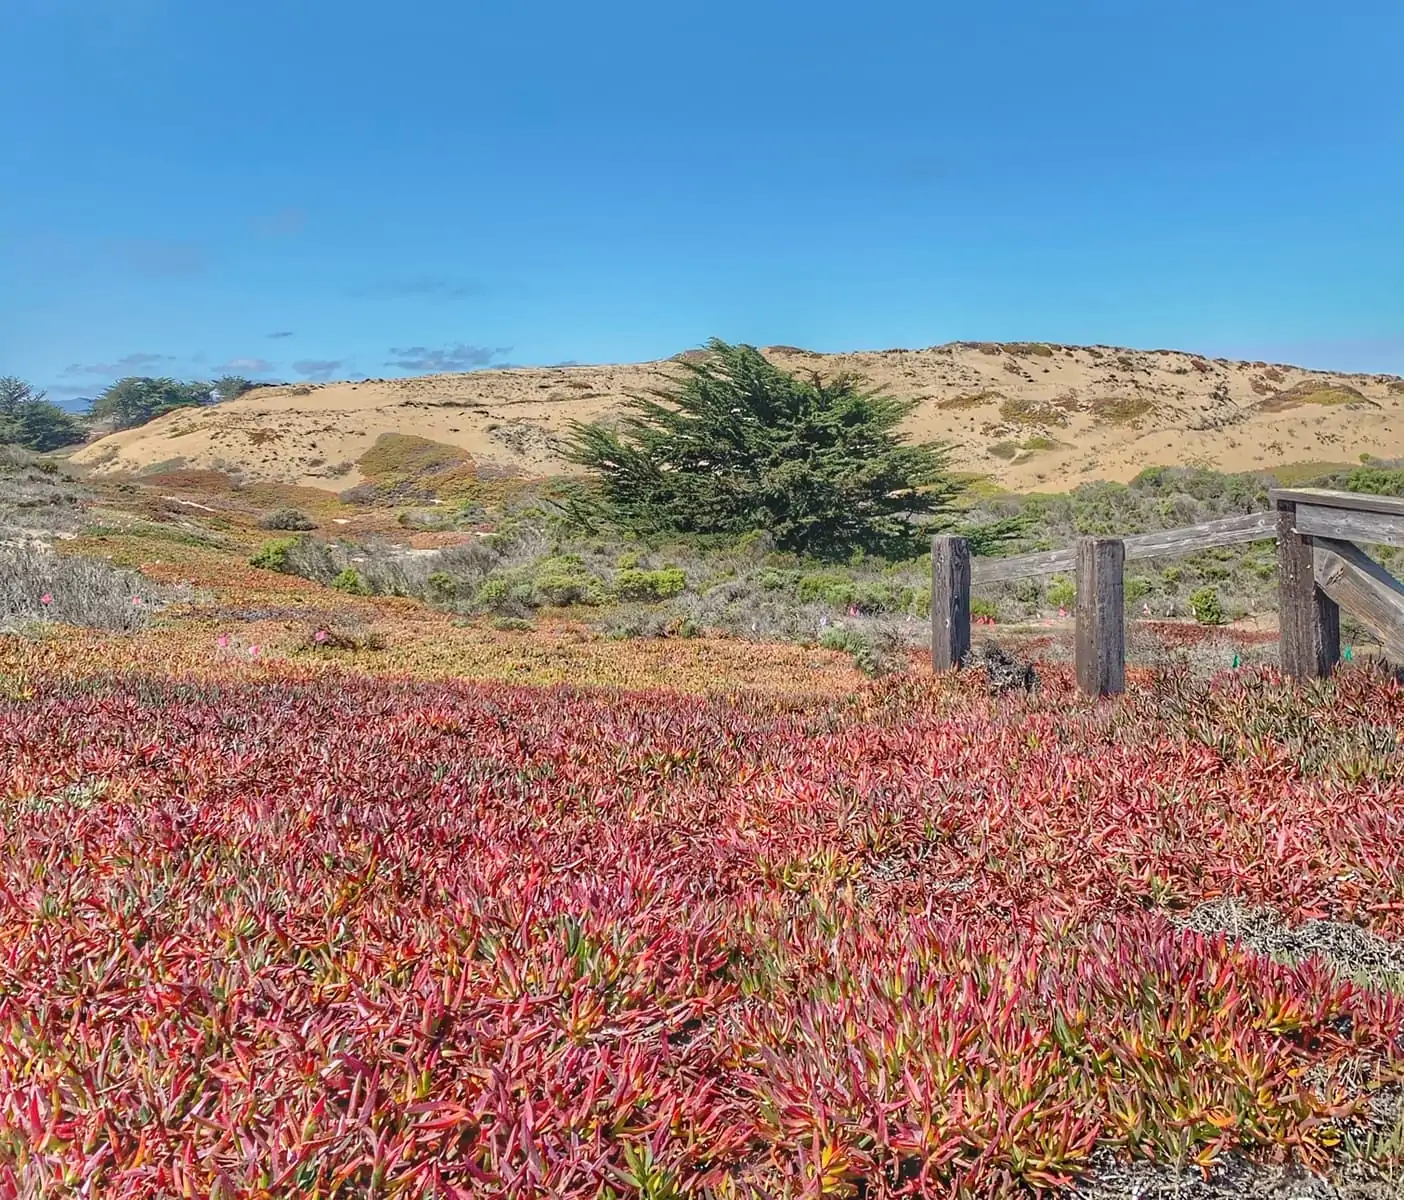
{"points": [[1122, 408]]}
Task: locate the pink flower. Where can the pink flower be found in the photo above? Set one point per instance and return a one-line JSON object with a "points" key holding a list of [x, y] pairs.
{"points": [[46, 599], [320, 636], [1062, 612], [136, 600], [253, 651], [223, 640]]}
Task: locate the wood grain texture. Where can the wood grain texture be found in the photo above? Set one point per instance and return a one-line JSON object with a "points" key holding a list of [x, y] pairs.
{"points": [[1350, 525], [1309, 621], [1101, 620], [950, 602], [1364, 589], [1327, 498]]}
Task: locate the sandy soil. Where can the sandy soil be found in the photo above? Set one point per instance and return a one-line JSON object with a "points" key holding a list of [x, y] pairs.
{"points": [[1030, 416]]}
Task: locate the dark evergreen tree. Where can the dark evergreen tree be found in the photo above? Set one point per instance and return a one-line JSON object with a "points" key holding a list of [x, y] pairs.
{"points": [[741, 445], [138, 399], [28, 419]]}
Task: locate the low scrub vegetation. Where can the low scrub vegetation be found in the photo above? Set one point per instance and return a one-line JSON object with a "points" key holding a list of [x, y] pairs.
{"points": [[539, 558], [38, 499], [397, 938], [288, 519], [1312, 391], [39, 588]]}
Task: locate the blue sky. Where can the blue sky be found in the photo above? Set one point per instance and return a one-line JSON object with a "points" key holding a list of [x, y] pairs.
{"points": [[318, 190]]}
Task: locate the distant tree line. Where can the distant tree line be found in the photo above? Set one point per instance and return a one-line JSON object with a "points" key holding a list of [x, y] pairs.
{"points": [[29, 419]]}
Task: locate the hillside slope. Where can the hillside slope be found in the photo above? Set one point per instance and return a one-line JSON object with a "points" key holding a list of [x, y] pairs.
{"points": [[1030, 416]]}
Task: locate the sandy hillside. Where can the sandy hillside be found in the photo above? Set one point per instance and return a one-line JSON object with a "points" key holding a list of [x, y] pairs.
{"points": [[1028, 415]]}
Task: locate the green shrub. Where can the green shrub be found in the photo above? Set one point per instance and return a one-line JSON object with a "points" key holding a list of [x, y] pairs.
{"points": [[1137, 587], [494, 592], [634, 584], [563, 581], [509, 592], [772, 580], [1206, 606], [870, 657], [1061, 592], [1027, 591], [273, 555], [849, 641], [350, 582], [441, 587], [1379, 481], [288, 518], [828, 587], [981, 607], [512, 625], [866, 595]]}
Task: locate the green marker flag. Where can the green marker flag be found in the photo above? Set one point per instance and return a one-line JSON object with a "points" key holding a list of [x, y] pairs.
{"points": [[1235, 661], [1348, 654]]}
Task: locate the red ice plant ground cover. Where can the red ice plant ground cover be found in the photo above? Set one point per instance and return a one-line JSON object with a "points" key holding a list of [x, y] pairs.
{"points": [[348, 936]]}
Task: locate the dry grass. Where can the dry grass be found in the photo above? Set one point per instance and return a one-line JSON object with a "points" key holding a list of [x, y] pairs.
{"points": [[1120, 410], [1311, 391], [1350, 951], [968, 400], [37, 498], [1024, 410], [38, 586]]}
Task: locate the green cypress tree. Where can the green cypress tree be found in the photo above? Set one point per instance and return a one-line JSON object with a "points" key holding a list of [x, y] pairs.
{"points": [[740, 445]]}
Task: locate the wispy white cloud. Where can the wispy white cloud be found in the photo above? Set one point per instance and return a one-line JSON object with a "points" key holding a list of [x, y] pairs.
{"points": [[128, 364], [320, 369], [247, 366], [462, 357]]}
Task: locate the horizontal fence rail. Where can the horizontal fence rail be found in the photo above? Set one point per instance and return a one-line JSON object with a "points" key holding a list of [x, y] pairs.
{"points": [[1255, 527], [1320, 571]]}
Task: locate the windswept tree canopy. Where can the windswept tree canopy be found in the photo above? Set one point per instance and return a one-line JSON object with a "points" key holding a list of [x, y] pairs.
{"points": [[30, 420], [741, 445], [231, 387], [138, 399]]}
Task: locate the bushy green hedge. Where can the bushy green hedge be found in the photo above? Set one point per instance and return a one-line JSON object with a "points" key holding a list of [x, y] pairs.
{"points": [[273, 554], [632, 583]]}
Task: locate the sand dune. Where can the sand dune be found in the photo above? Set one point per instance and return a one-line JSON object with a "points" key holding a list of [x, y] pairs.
{"points": [[1027, 415]]}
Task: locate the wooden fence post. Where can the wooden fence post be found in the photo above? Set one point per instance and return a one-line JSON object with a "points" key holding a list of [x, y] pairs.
{"points": [[1309, 621], [1101, 617], [950, 602]]}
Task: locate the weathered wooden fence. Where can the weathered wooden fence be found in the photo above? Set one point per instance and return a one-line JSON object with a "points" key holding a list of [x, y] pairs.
{"points": [[1320, 571]]}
